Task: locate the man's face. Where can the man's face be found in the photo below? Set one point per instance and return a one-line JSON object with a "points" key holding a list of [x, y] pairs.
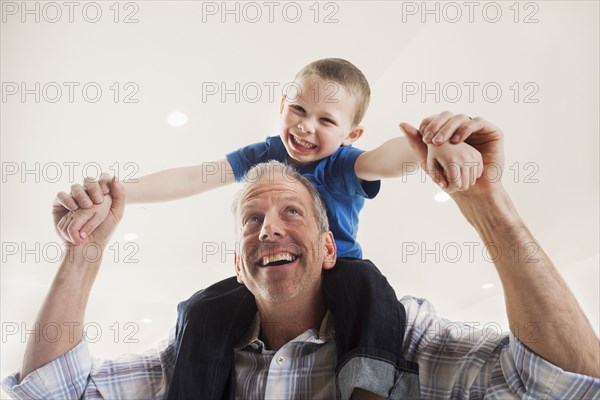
{"points": [[318, 120], [282, 251]]}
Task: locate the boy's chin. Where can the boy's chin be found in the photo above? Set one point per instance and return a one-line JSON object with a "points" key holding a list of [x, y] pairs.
{"points": [[299, 160]]}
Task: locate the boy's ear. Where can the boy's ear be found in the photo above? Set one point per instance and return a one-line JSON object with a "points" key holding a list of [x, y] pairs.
{"points": [[352, 136], [236, 266], [282, 104], [330, 252]]}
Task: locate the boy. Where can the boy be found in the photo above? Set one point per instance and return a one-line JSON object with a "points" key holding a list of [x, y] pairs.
{"points": [[318, 125]]}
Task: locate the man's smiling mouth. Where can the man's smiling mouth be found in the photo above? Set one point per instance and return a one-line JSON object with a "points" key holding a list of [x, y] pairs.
{"points": [[275, 260]]}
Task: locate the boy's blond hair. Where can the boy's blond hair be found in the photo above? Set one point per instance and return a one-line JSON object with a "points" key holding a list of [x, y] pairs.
{"points": [[346, 74]]}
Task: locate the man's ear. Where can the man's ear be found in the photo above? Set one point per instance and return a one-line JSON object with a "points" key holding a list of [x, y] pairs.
{"points": [[330, 251], [353, 136], [236, 266], [282, 104]]}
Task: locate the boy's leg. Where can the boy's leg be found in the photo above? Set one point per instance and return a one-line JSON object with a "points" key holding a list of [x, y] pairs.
{"points": [[370, 324]]}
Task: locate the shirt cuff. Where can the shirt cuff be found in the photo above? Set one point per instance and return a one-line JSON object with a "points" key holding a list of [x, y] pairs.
{"points": [[236, 165], [378, 377], [529, 373], [65, 377]]}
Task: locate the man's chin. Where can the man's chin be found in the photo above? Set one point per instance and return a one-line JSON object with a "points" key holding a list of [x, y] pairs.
{"points": [[277, 294], [275, 297]]}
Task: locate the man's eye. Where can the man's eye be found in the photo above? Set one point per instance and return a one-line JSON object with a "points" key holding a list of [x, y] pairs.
{"points": [[293, 211], [251, 219]]}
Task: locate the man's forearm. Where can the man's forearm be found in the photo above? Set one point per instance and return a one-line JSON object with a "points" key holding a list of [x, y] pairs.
{"points": [[64, 308], [542, 311]]}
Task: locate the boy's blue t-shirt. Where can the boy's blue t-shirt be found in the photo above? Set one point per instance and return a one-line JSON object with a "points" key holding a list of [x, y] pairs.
{"points": [[344, 194]]}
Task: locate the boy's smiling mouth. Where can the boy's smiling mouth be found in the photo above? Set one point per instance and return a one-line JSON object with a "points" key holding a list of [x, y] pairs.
{"points": [[302, 145]]}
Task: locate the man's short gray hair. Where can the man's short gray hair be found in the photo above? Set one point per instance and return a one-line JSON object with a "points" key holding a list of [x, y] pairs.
{"points": [[290, 174]]}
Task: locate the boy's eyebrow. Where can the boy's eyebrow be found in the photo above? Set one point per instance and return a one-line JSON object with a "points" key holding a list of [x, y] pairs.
{"points": [[325, 113], [329, 115], [301, 99]]}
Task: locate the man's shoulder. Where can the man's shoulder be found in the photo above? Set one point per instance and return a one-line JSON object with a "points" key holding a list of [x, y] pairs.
{"points": [[212, 295], [417, 305]]}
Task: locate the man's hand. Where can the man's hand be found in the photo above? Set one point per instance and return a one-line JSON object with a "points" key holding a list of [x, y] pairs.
{"points": [[455, 167], [77, 214], [75, 225], [534, 292], [67, 299], [477, 132]]}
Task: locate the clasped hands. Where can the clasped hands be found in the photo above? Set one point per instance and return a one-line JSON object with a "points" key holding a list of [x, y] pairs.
{"points": [[78, 220], [477, 145]]}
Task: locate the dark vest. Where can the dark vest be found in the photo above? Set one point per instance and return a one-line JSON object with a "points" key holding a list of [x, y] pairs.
{"points": [[214, 319]]}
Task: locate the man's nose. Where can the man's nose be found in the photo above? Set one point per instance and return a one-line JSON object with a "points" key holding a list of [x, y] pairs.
{"points": [[271, 229]]}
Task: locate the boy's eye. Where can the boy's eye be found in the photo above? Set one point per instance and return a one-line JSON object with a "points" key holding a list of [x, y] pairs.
{"points": [[328, 121], [298, 108]]}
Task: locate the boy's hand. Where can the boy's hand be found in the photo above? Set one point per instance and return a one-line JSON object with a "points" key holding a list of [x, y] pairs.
{"points": [[86, 207], [454, 167]]}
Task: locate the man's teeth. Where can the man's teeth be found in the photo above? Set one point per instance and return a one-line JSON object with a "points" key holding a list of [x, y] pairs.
{"points": [[303, 143], [286, 257]]}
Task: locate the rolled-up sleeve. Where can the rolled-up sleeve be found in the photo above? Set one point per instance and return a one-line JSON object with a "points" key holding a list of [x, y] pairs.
{"points": [[459, 361], [66, 377], [77, 375], [528, 375]]}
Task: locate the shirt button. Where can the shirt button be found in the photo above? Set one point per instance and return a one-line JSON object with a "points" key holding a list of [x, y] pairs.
{"points": [[280, 360]]}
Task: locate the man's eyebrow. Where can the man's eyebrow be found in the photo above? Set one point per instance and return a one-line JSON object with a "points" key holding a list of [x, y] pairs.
{"points": [[247, 205], [294, 199], [290, 198]]}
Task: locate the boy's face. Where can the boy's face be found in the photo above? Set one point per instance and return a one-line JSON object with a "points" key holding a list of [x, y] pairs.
{"points": [[317, 120]]}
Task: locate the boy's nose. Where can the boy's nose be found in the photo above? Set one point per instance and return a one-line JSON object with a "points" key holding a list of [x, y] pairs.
{"points": [[306, 127]]}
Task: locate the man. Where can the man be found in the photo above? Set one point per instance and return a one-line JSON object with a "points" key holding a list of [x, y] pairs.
{"points": [[275, 215]]}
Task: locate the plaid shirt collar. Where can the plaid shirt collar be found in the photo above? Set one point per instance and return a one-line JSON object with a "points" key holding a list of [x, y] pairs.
{"points": [[250, 340]]}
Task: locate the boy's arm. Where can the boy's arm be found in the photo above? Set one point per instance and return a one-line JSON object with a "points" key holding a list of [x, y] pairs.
{"points": [[178, 183], [392, 159], [170, 184], [455, 167]]}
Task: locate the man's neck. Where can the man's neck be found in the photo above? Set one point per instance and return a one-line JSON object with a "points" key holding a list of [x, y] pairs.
{"points": [[282, 322]]}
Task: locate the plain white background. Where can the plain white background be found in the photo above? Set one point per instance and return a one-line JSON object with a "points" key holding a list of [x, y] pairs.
{"points": [[532, 67]]}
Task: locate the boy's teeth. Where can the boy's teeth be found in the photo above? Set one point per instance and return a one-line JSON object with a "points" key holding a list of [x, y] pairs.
{"points": [[277, 257], [303, 143]]}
